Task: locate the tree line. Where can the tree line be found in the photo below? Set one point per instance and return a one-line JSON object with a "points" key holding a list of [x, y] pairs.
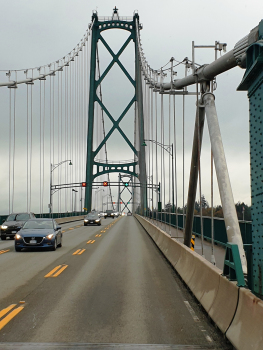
{"points": [[243, 210]]}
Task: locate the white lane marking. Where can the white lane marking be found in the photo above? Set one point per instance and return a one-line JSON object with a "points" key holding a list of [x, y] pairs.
{"points": [[196, 319]]}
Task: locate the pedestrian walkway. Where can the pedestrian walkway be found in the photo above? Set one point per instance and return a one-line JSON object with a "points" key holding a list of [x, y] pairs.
{"points": [[219, 251]]}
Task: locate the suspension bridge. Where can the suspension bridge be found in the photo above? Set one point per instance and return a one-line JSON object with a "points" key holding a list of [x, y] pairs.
{"points": [[80, 138]]}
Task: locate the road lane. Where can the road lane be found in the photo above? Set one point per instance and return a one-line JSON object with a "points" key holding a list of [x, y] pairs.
{"points": [[17, 269], [120, 290]]}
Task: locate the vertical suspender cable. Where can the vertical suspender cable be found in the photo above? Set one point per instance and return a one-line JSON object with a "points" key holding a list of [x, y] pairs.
{"points": [[44, 119], [61, 133], [14, 149], [66, 133], [27, 147], [170, 150], [53, 120], [162, 161], [175, 163], [156, 154], [58, 141], [10, 146], [183, 159], [31, 146], [40, 150], [152, 144], [50, 134]]}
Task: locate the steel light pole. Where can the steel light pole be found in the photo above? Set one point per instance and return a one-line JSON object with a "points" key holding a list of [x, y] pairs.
{"points": [[96, 192], [73, 190], [52, 168]]}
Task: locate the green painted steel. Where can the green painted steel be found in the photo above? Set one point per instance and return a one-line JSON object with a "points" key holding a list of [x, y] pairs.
{"points": [[104, 168], [253, 83], [124, 186], [142, 163], [232, 265], [219, 227]]}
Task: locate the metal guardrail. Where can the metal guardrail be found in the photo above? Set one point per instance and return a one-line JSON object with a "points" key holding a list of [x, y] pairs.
{"points": [[47, 215], [220, 235]]}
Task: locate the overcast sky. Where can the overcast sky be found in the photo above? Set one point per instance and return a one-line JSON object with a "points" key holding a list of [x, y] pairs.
{"points": [[36, 32]]}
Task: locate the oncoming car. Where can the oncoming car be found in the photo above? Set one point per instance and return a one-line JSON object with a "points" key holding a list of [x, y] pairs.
{"points": [[109, 214], [92, 218], [39, 233], [13, 224]]}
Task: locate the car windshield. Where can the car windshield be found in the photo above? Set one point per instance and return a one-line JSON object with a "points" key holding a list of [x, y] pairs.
{"points": [[92, 216], [22, 217], [18, 217], [38, 224], [11, 217], [109, 211]]}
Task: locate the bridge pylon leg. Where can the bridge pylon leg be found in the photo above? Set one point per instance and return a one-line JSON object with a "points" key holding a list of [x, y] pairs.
{"points": [[141, 153], [199, 127], [225, 190]]}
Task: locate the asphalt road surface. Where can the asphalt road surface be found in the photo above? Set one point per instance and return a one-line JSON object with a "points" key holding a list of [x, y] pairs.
{"points": [[108, 287]]}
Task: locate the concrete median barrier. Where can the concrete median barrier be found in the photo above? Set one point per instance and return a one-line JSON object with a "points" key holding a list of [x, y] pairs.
{"points": [[204, 282], [185, 265], [169, 247], [69, 219], [246, 330], [223, 309]]}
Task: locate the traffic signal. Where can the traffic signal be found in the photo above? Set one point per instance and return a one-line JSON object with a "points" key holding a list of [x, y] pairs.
{"points": [[105, 183], [126, 184], [83, 184]]}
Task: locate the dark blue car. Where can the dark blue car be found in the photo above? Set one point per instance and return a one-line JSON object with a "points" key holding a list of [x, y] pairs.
{"points": [[39, 233]]}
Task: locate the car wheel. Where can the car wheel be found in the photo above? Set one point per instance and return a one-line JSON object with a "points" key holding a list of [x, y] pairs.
{"points": [[54, 246], [3, 238], [17, 249], [60, 244]]}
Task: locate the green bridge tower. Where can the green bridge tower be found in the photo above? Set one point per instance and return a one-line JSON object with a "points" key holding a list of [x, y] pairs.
{"points": [[93, 167]]}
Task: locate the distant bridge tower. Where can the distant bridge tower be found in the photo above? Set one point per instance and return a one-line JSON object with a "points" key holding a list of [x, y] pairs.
{"points": [[93, 167]]}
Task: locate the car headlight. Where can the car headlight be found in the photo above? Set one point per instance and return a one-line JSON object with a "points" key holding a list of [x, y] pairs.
{"points": [[18, 236], [86, 220], [4, 227], [97, 220], [50, 236]]}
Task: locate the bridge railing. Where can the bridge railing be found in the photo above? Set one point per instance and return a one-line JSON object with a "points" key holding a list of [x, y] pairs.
{"points": [[47, 215], [220, 235]]}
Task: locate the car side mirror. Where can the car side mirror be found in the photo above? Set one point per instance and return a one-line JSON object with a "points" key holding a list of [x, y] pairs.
{"points": [[58, 228]]}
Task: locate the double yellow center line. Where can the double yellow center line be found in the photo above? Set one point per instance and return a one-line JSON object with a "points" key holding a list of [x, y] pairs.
{"points": [[57, 271], [91, 241], [10, 316], [4, 251], [79, 252]]}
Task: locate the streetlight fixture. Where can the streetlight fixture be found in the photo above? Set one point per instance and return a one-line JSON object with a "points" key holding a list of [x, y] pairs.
{"points": [[52, 168], [169, 149], [73, 190]]}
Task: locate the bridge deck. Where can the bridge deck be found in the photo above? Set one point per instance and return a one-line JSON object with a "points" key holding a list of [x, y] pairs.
{"points": [[121, 290]]}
